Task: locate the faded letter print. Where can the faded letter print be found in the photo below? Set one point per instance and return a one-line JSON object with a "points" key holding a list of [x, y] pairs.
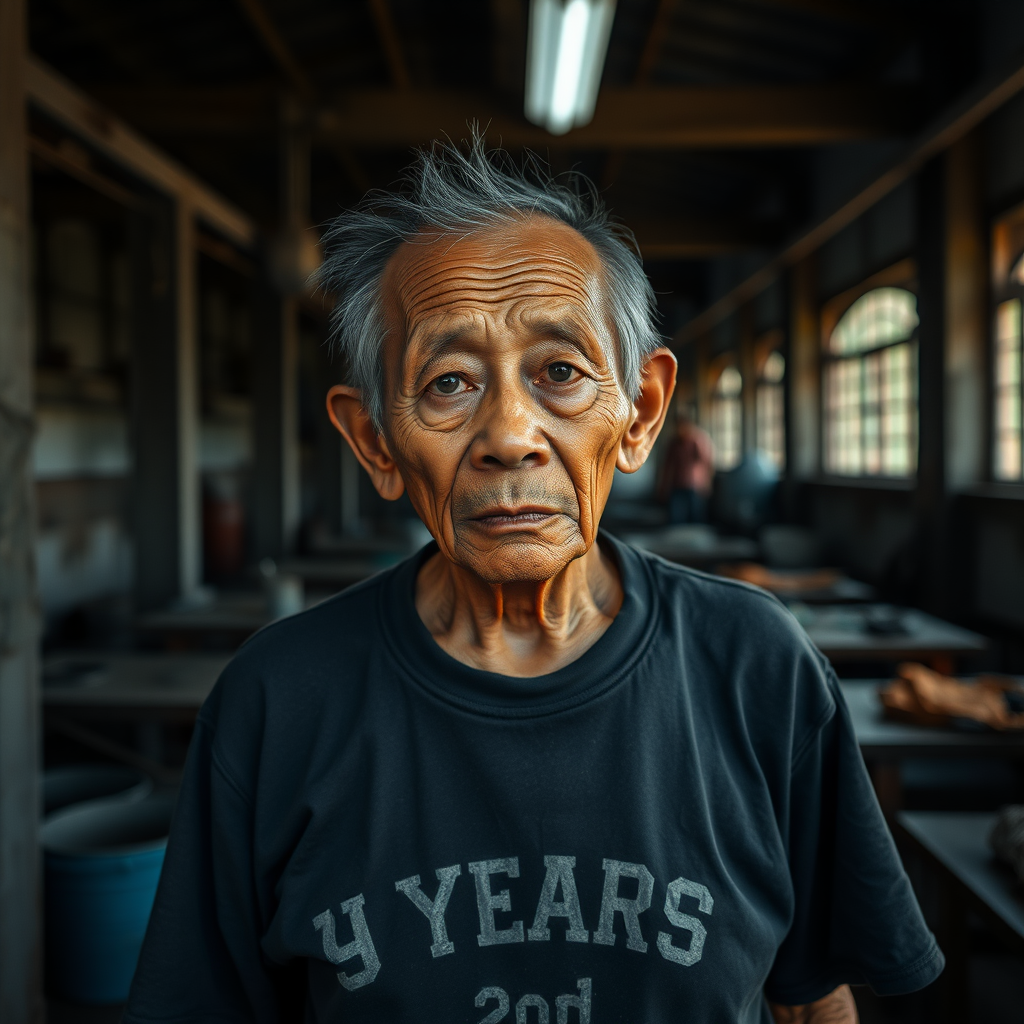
{"points": [[361, 945]]}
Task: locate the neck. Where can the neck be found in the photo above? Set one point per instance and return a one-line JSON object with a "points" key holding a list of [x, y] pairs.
{"points": [[522, 628]]}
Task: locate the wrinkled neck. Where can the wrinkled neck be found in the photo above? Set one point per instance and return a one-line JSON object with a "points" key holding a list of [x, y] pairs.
{"points": [[522, 628]]}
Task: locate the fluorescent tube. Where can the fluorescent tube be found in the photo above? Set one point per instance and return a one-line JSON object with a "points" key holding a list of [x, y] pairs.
{"points": [[565, 57]]}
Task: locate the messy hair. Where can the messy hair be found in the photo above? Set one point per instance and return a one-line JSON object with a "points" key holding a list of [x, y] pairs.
{"points": [[459, 191]]}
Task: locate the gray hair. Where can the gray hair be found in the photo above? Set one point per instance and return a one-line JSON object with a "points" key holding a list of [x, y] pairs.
{"points": [[450, 190]]}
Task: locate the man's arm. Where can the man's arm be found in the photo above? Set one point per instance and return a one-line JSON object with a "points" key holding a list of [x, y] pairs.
{"points": [[837, 1007]]}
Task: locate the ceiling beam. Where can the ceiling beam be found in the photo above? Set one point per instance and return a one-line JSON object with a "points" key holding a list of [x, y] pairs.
{"points": [[65, 103], [637, 118], [644, 69], [390, 43], [961, 118], [276, 45], [698, 239], [697, 117], [867, 15]]}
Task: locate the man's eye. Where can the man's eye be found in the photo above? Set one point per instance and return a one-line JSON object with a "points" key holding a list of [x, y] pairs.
{"points": [[560, 372], [449, 384]]}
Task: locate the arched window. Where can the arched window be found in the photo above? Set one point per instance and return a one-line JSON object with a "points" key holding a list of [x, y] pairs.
{"points": [[1008, 381], [727, 418], [870, 387], [771, 417]]}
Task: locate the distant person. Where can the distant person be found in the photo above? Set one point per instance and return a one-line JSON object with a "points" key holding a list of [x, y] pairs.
{"points": [[687, 472]]}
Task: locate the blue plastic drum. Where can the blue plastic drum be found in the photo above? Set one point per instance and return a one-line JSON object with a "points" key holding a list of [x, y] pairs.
{"points": [[102, 863]]}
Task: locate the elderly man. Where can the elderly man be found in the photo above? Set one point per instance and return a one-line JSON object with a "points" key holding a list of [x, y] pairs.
{"points": [[531, 774]]}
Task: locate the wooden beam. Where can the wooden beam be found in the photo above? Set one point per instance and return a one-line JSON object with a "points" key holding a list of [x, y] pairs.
{"points": [[641, 117], [20, 893], [61, 100], [645, 67], [263, 25], [693, 240], [636, 118], [71, 163], [862, 14], [654, 42], [949, 128], [390, 43]]}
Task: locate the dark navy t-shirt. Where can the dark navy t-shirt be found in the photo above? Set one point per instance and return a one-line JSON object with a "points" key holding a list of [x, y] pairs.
{"points": [[675, 827]]}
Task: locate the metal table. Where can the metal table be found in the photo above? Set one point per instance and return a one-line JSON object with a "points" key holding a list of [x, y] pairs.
{"points": [[954, 845], [842, 633]]}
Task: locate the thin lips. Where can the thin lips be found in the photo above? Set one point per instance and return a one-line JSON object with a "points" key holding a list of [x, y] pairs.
{"points": [[506, 513]]}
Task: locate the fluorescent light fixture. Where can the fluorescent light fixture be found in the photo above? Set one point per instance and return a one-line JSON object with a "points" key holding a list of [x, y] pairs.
{"points": [[564, 60]]}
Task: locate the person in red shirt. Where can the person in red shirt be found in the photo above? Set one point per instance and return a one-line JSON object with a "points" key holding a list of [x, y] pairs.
{"points": [[687, 473]]}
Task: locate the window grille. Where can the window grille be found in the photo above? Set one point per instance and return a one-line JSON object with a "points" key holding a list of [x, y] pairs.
{"points": [[770, 407], [727, 418], [1007, 397], [869, 383]]}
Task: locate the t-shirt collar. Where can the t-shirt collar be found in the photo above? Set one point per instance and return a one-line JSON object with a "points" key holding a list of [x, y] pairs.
{"points": [[597, 669]]}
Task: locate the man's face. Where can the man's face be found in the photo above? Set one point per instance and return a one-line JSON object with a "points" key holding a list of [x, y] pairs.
{"points": [[504, 409]]}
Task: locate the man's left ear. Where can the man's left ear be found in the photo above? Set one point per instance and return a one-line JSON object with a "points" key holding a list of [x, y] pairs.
{"points": [[658, 381]]}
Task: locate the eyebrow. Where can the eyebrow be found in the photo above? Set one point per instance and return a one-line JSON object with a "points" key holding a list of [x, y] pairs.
{"points": [[565, 329]]}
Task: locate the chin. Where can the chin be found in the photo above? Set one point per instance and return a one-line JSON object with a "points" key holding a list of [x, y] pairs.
{"points": [[521, 559]]}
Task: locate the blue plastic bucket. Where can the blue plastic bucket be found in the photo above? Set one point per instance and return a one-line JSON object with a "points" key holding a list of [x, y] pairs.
{"points": [[102, 863], [73, 783]]}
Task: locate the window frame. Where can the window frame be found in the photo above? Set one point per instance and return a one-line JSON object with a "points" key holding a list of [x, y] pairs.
{"points": [[903, 275], [765, 347], [723, 363], [1007, 250]]}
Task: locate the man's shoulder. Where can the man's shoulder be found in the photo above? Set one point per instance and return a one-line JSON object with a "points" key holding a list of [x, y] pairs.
{"points": [[710, 596], [333, 627], [301, 659]]}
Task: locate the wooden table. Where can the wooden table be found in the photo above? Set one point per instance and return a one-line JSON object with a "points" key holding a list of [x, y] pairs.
{"points": [[955, 845], [841, 633], [336, 573], [102, 685], [886, 744], [695, 545], [804, 586], [85, 688]]}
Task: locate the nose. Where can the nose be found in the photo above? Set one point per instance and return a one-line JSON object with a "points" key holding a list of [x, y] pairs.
{"points": [[509, 434]]}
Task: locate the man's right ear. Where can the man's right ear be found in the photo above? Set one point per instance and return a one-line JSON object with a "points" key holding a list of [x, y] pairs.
{"points": [[345, 407]]}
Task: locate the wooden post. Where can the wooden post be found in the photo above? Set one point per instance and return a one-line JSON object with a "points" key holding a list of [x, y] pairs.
{"points": [[20, 917], [803, 399], [165, 386]]}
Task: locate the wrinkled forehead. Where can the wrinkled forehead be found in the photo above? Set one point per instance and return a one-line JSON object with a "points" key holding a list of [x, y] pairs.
{"points": [[512, 267]]}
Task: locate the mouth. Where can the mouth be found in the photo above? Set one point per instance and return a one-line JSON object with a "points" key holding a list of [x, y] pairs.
{"points": [[523, 517]]}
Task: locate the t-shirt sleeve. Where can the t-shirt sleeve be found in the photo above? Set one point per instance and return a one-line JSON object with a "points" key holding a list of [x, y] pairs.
{"points": [[856, 919], [201, 958]]}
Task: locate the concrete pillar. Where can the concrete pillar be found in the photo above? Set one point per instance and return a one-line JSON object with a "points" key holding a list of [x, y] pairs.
{"points": [[190, 550], [967, 318], [165, 384], [276, 351], [702, 384], [275, 421], [748, 371], [931, 308], [931, 549], [20, 918], [803, 369]]}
